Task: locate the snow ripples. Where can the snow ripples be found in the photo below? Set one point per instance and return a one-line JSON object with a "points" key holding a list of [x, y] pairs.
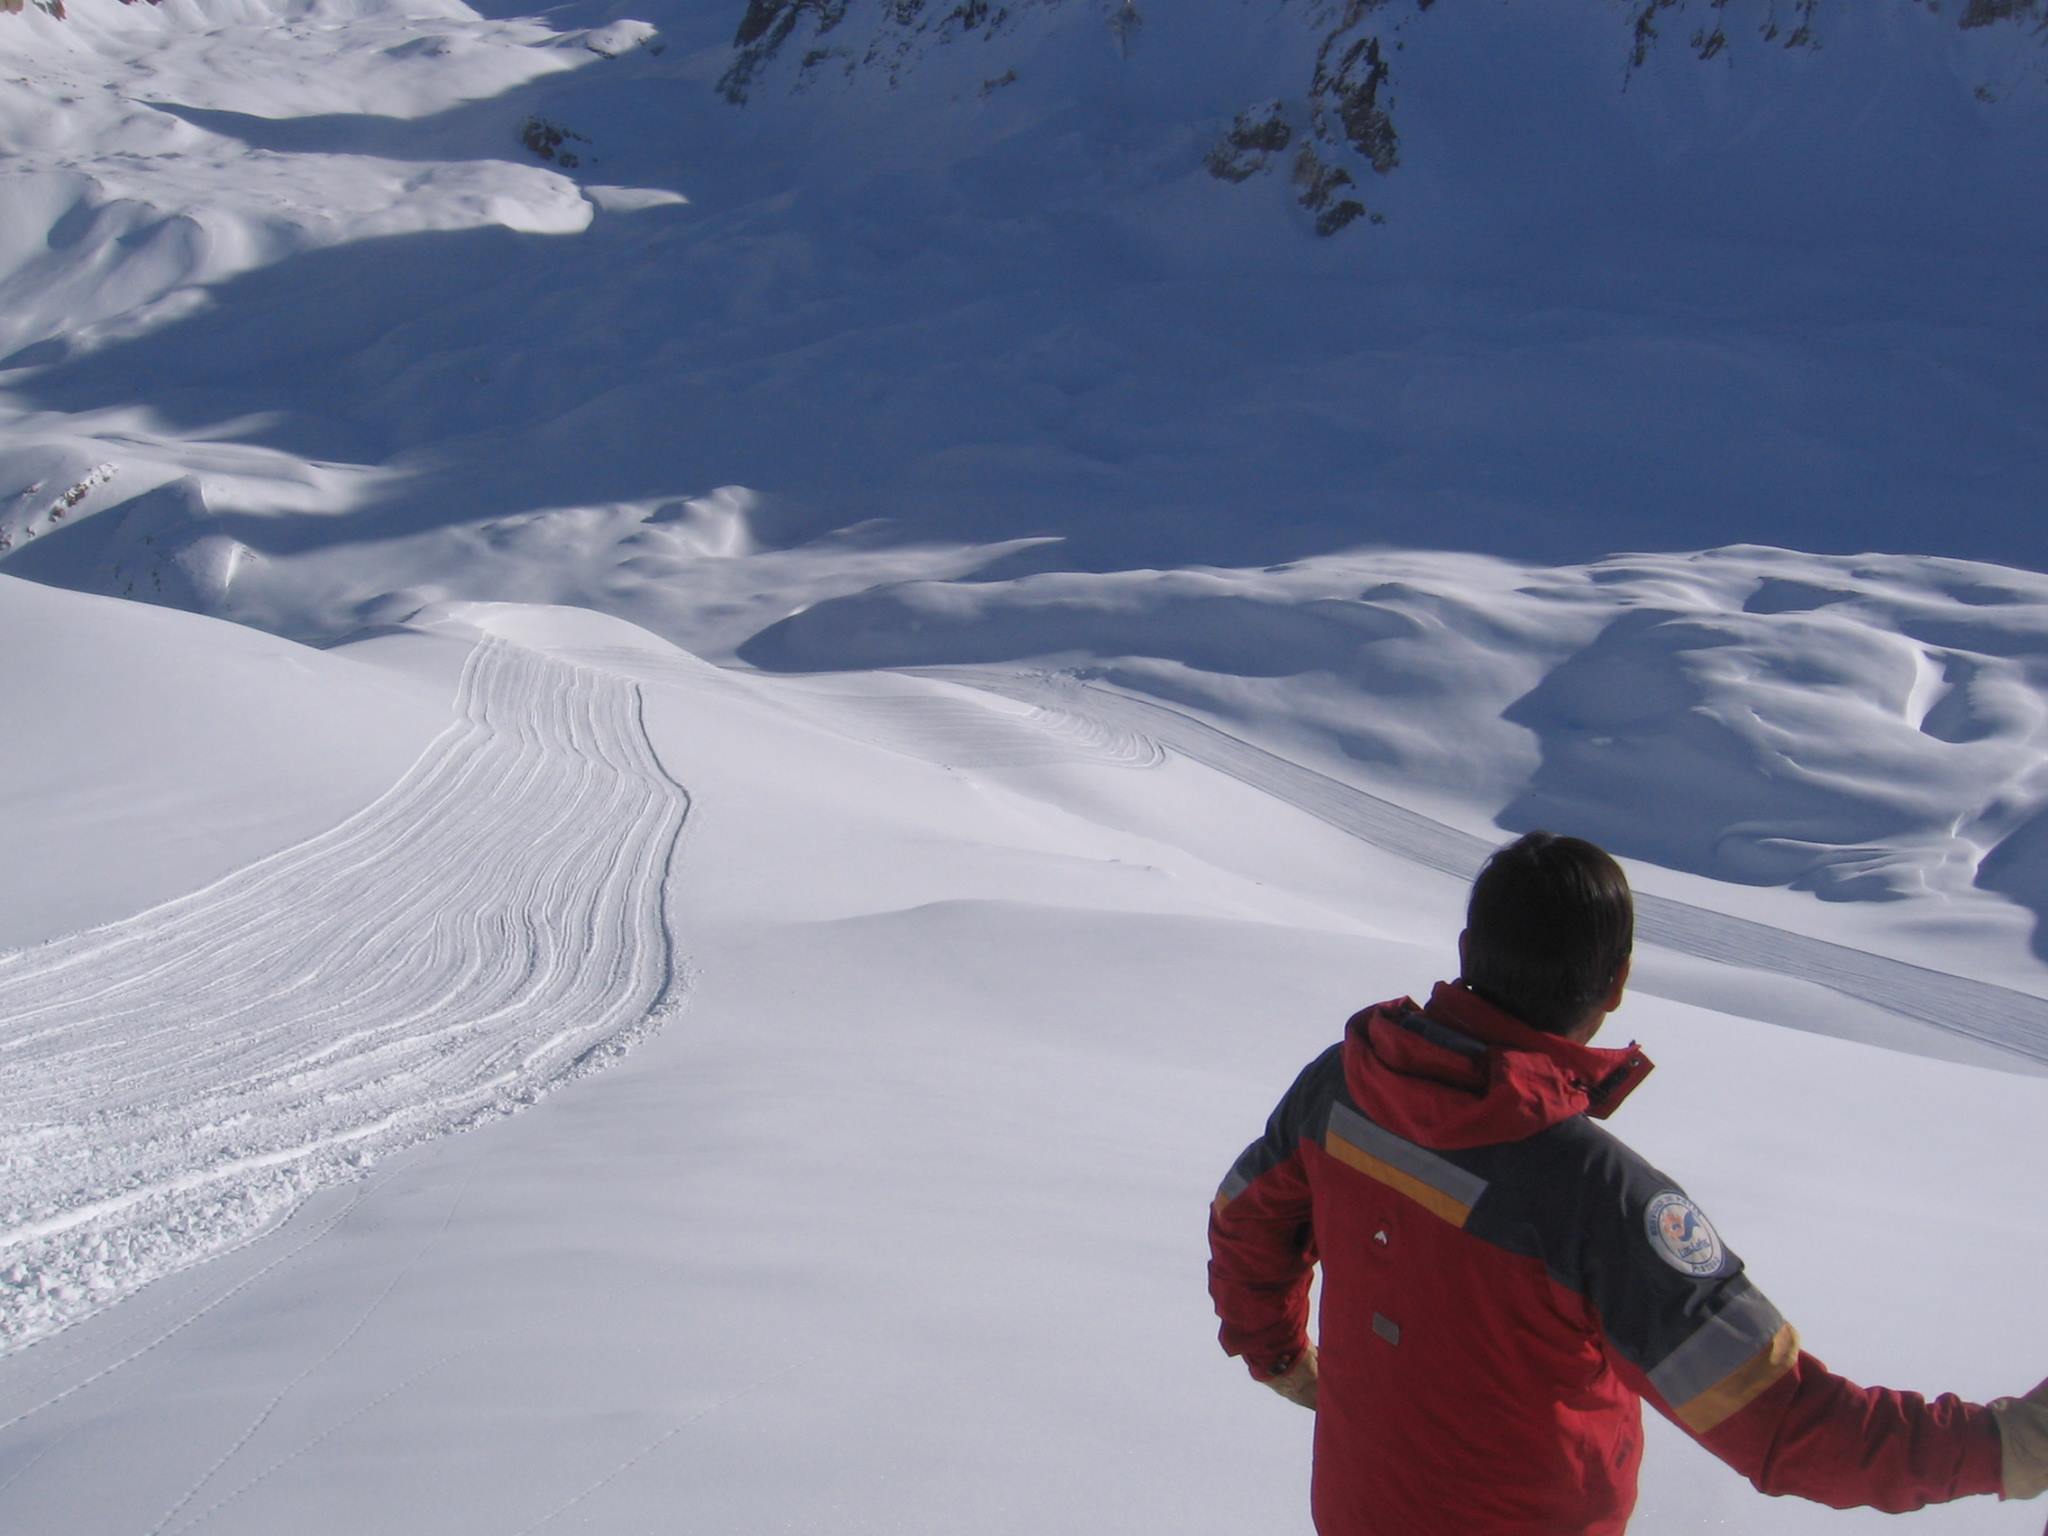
{"points": [[493, 924]]}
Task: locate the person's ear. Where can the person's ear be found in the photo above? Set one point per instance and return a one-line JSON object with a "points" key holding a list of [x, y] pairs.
{"points": [[1620, 986], [1464, 946]]}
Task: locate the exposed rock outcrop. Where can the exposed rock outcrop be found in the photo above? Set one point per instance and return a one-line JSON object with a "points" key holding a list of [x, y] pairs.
{"points": [[552, 142], [1320, 185], [768, 25], [1249, 145], [1344, 98]]}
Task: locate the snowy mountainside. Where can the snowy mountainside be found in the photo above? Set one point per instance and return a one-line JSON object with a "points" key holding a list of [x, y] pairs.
{"points": [[1863, 729], [922, 915], [1334, 122], [1027, 635], [1314, 83], [313, 327], [1612, 306]]}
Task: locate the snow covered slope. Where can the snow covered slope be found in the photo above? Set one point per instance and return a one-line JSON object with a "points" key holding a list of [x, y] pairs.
{"points": [[314, 323], [986, 998], [486, 927]]}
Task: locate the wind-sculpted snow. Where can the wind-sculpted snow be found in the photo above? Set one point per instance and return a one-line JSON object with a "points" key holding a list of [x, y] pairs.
{"points": [[493, 924], [1997, 1016]]}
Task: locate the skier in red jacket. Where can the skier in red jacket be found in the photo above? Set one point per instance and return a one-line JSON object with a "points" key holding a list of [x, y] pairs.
{"points": [[1504, 1281]]}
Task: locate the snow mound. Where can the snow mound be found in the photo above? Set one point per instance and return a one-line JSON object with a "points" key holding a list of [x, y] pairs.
{"points": [[1874, 745], [164, 547], [1859, 728], [719, 526]]}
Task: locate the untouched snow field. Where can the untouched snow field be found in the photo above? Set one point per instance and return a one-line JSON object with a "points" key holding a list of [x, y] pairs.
{"points": [[946, 648]]}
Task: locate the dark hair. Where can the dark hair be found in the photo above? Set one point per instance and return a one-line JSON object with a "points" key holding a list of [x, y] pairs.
{"points": [[1547, 929]]}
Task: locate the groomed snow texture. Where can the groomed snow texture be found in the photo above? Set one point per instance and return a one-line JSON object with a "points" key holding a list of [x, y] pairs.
{"points": [[171, 1082]]}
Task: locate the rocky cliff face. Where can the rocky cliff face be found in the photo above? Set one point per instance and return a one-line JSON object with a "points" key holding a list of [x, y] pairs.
{"points": [[1327, 135], [1327, 124], [888, 38]]}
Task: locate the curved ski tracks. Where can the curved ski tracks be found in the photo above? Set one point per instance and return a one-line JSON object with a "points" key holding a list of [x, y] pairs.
{"points": [[1998, 1016], [965, 735], [936, 728], [493, 924]]}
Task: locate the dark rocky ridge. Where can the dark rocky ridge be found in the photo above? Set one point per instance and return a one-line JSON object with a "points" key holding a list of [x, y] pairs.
{"points": [[1339, 122]]}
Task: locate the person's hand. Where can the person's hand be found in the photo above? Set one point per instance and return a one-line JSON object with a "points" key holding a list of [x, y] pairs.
{"points": [[2023, 1432], [1298, 1382]]}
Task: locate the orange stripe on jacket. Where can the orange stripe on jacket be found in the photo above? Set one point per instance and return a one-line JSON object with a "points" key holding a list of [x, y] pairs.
{"points": [[1429, 1198], [1741, 1386]]}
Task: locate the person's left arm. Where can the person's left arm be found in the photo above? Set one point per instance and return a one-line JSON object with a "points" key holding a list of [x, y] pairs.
{"points": [[1689, 1332]]}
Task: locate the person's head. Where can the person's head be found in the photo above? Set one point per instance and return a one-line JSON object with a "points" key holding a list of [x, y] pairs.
{"points": [[1548, 933]]}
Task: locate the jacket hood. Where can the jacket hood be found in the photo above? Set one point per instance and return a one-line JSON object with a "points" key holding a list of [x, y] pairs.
{"points": [[1460, 1073]]}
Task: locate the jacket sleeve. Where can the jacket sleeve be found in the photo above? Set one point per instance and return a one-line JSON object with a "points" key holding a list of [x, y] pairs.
{"points": [[1822, 1437], [1261, 1239], [1688, 1331]]}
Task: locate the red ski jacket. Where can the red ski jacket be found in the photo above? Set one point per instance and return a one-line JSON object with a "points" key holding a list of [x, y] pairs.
{"points": [[1504, 1282]]}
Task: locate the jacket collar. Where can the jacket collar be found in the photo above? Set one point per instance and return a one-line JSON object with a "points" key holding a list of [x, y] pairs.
{"points": [[1461, 1073]]}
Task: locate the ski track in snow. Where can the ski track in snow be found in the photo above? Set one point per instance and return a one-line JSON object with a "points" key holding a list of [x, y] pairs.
{"points": [[954, 731], [965, 735], [1998, 1016], [493, 924]]}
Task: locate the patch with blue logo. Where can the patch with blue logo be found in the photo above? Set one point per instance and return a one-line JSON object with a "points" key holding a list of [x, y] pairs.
{"points": [[1682, 1235]]}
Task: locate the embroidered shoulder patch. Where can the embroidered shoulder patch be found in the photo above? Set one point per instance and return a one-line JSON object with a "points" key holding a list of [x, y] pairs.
{"points": [[1682, 1235]]}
